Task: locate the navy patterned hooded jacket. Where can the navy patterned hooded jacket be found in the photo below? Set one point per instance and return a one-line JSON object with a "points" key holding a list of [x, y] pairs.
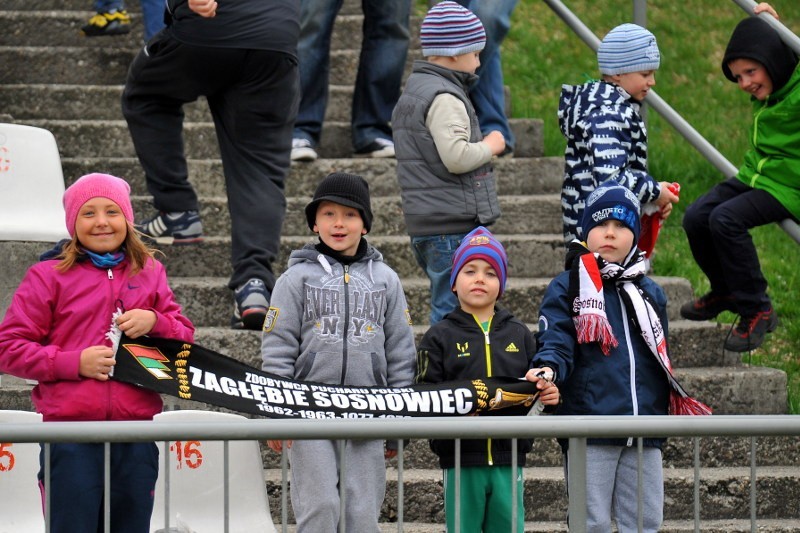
{"points": [[606, 140]]}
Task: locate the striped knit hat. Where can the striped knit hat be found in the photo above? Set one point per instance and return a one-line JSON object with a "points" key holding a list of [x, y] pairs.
{"points": [[451, 30], [481, 244], [628, 48]]}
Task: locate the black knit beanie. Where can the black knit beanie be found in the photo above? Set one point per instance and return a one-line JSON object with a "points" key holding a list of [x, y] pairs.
{"points": [[345, 189], [755, 39]]}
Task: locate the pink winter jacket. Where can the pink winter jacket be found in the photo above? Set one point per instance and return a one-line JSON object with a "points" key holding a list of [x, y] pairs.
{"points": [[54, 316]]}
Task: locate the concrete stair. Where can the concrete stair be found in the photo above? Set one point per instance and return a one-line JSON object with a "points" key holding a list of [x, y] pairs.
{"points": [[71, 85]]}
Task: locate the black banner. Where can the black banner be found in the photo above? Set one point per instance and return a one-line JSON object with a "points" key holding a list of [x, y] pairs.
{"points": [[192, 372]]}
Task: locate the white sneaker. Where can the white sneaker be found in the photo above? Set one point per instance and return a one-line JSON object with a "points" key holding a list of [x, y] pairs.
{"points": [[302, 150], [382, 148]]}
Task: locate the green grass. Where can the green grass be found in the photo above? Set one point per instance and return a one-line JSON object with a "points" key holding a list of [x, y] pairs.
{"points": [[541, 53]]}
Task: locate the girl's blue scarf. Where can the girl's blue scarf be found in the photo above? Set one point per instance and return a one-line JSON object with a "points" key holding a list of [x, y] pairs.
{"points": [[105, 260]]}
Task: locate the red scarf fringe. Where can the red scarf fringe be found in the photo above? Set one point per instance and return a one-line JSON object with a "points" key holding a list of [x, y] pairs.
{"points": [[686, 405], [595, 328]]}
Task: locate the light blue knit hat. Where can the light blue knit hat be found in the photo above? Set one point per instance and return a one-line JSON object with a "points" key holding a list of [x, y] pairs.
{"points": [[449, 30], [628, 48]]}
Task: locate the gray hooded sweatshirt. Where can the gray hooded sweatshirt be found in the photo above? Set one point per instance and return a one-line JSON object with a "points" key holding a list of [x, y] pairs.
{"points": [[339, 325]]}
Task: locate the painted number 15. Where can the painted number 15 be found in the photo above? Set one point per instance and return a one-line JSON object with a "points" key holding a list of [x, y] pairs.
{"points": [[187, 453]]}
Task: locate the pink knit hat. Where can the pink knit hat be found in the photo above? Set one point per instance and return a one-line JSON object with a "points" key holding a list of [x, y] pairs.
{"points": [[92, 186]]}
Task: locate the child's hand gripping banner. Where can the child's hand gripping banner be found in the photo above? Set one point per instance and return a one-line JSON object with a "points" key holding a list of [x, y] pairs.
{"points": [[192, 372]]}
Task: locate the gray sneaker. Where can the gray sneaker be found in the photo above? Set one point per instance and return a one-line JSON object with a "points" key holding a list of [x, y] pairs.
{"points": [[302, 150], [178, 227], [251, 305]]}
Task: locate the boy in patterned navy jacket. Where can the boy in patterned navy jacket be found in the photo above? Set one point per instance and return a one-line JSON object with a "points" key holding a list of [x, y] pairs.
{"points": [[606, 135]]}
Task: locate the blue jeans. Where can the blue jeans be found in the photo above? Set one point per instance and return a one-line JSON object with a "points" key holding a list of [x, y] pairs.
{"points": [[152, 13], [434, 253], [152, 17], [76, 486], [488, 95], [380, 67]]}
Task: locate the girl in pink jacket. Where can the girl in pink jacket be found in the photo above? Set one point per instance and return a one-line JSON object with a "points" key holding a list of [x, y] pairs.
{"points": [[60, 329]]}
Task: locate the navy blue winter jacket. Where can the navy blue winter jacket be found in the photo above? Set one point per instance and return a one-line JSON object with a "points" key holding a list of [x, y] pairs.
{"points": [[628, 381]]}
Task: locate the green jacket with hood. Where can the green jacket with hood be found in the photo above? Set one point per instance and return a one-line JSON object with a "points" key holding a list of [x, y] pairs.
{"points": [[772, 163]]}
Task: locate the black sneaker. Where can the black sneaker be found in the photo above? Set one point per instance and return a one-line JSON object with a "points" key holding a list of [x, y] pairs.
{"points": [[749, 333], [112, 23], [381, 148], [179, 227], [252, 303], [707, 307]]}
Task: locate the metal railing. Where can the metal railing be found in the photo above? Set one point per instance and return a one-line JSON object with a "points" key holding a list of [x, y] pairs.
{"points": [[577, 429], [688, 132]]}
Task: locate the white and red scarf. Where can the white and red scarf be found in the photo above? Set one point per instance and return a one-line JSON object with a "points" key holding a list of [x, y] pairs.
{"points": [[588, 272]]}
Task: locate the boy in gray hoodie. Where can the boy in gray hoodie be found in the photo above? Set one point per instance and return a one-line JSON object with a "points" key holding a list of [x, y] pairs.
{"points": [[338, 316]]}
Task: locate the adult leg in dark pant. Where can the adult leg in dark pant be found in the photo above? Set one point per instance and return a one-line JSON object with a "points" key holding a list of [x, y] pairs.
{"points": [[254, 120], [253, 98], [159, 83]]}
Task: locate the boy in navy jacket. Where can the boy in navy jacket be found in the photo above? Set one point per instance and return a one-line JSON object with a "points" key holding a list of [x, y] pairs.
{"points": [[603, 332]]}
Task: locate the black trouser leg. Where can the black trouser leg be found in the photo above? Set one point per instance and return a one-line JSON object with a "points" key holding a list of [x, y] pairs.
{"points": [[254, 120]]}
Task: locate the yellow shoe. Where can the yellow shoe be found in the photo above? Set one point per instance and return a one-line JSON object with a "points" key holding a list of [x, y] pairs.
{"points": [[112, 23]]}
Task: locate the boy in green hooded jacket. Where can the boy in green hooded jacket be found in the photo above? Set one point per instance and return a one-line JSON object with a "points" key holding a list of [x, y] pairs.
{"points": [[765, 190]]}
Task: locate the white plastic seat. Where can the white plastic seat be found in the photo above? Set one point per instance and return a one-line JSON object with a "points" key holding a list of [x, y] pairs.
{"points": [[196, 479], [20, 498], [31, 185]]}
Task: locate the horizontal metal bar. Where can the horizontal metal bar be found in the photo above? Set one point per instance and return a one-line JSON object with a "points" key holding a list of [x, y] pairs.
{"points": [[438, 427]]}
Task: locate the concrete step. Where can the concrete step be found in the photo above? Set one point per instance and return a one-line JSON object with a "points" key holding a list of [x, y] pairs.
{"points": [[53, 5], [110, 138], [692, 344], [108, 64], [208, 302], [24, 28], [534, 255], [57, 28], [102, 102], [517, 175], [104, 64], [531, 214], [724, 494]]}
